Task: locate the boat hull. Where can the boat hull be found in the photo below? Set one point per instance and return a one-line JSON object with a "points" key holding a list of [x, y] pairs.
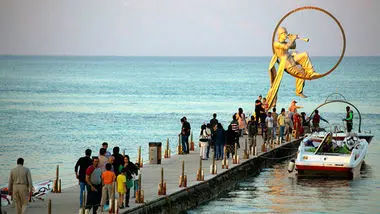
{"points": [[304, 171]]}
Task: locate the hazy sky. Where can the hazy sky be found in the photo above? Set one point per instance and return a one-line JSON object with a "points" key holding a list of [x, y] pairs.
{"points": [[182, 27]]}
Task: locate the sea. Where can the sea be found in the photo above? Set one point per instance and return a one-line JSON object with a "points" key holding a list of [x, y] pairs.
{"points": [[52, 108]]}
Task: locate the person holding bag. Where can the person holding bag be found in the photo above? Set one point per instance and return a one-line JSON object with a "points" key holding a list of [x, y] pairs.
{"points": [[203, 142]]}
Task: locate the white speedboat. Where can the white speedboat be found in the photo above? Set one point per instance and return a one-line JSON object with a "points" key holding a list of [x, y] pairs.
{"points": [[330, 157]]}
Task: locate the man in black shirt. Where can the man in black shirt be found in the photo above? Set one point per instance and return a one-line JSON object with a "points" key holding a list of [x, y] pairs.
{"points": [[119, 159], [83, 163], [258, 108], [185, 133], [213, 121]]}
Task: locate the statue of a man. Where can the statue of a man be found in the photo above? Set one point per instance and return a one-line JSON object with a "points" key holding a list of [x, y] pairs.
{"points": [[298, 64]]}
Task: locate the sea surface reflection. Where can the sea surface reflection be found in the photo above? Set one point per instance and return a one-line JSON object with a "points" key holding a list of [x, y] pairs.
{"points": [[274, 190]]}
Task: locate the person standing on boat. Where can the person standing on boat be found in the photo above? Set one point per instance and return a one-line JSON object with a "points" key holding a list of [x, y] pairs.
{"points": [[348, 119], [316, 119], [83, 163], [20, 186]]}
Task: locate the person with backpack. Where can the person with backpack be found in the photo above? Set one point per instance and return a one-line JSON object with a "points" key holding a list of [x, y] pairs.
{"points": [[94, 185]]}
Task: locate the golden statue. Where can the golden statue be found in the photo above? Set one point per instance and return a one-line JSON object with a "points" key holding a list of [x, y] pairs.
{"points": [[297, 64]]}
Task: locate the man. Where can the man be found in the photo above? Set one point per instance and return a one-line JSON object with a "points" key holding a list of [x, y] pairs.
{"points": [[235, 128], [185, 133], [20, 186], [213, 121], [293, 107], [119, 159], [94, 185], [103, 160], [252, 131], [281, 123], [316, 119], [258, 108], [298, 64], [105, 146], [348, 119], [83, 163]]}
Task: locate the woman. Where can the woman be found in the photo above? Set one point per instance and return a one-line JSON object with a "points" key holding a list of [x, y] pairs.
{"points": [[240, 116], [130, 168], [203, 142]]}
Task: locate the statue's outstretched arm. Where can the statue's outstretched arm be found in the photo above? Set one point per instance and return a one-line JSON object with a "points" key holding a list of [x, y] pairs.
{"points": [[291, 44]]}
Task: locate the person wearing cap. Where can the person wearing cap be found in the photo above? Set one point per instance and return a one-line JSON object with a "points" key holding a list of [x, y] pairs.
{"points": [[293, 107]]}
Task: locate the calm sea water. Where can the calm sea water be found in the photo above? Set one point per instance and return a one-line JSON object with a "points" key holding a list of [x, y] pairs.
{"points": [[53, 108]]}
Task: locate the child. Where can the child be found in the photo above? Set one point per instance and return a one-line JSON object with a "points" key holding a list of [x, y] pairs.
{"points": [[121, 186], [108, 177]]}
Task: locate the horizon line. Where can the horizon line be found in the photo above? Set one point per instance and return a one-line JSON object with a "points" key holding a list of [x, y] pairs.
{"points": [[179, 56]]}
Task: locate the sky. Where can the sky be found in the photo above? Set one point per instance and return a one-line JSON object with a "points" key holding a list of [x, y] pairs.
{"points": [[183, 27]]}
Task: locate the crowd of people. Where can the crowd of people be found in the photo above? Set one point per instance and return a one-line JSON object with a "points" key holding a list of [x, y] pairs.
{"points": [[270, 125], [97, 174]]}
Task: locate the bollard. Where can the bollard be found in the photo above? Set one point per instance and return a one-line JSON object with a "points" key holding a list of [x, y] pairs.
{"points": [[179, 147], [111, 209], [162, 184], [225, 161], [200, 175], [213, 168], [139, 158], [263, 148], [55, 184], [139, 192], [59, 186], [235, 157], [191, 142], [254, 150], [167, 150], [246, 153], [49, 206], [287, 138], [183, 177]]}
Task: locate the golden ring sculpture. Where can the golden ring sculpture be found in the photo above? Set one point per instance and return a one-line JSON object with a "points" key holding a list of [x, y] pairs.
{"points": [[336, 21]]}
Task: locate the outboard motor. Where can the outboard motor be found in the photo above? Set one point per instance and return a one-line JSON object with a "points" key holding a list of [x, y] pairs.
{"points": [[291, 166], [350, 142]]}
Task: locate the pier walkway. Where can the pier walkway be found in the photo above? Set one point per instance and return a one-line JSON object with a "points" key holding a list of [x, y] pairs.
{"points": [[176, 198]]}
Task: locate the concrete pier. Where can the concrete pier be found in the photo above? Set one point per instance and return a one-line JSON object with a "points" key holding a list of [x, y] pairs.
{"points": [[177, 198]]}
